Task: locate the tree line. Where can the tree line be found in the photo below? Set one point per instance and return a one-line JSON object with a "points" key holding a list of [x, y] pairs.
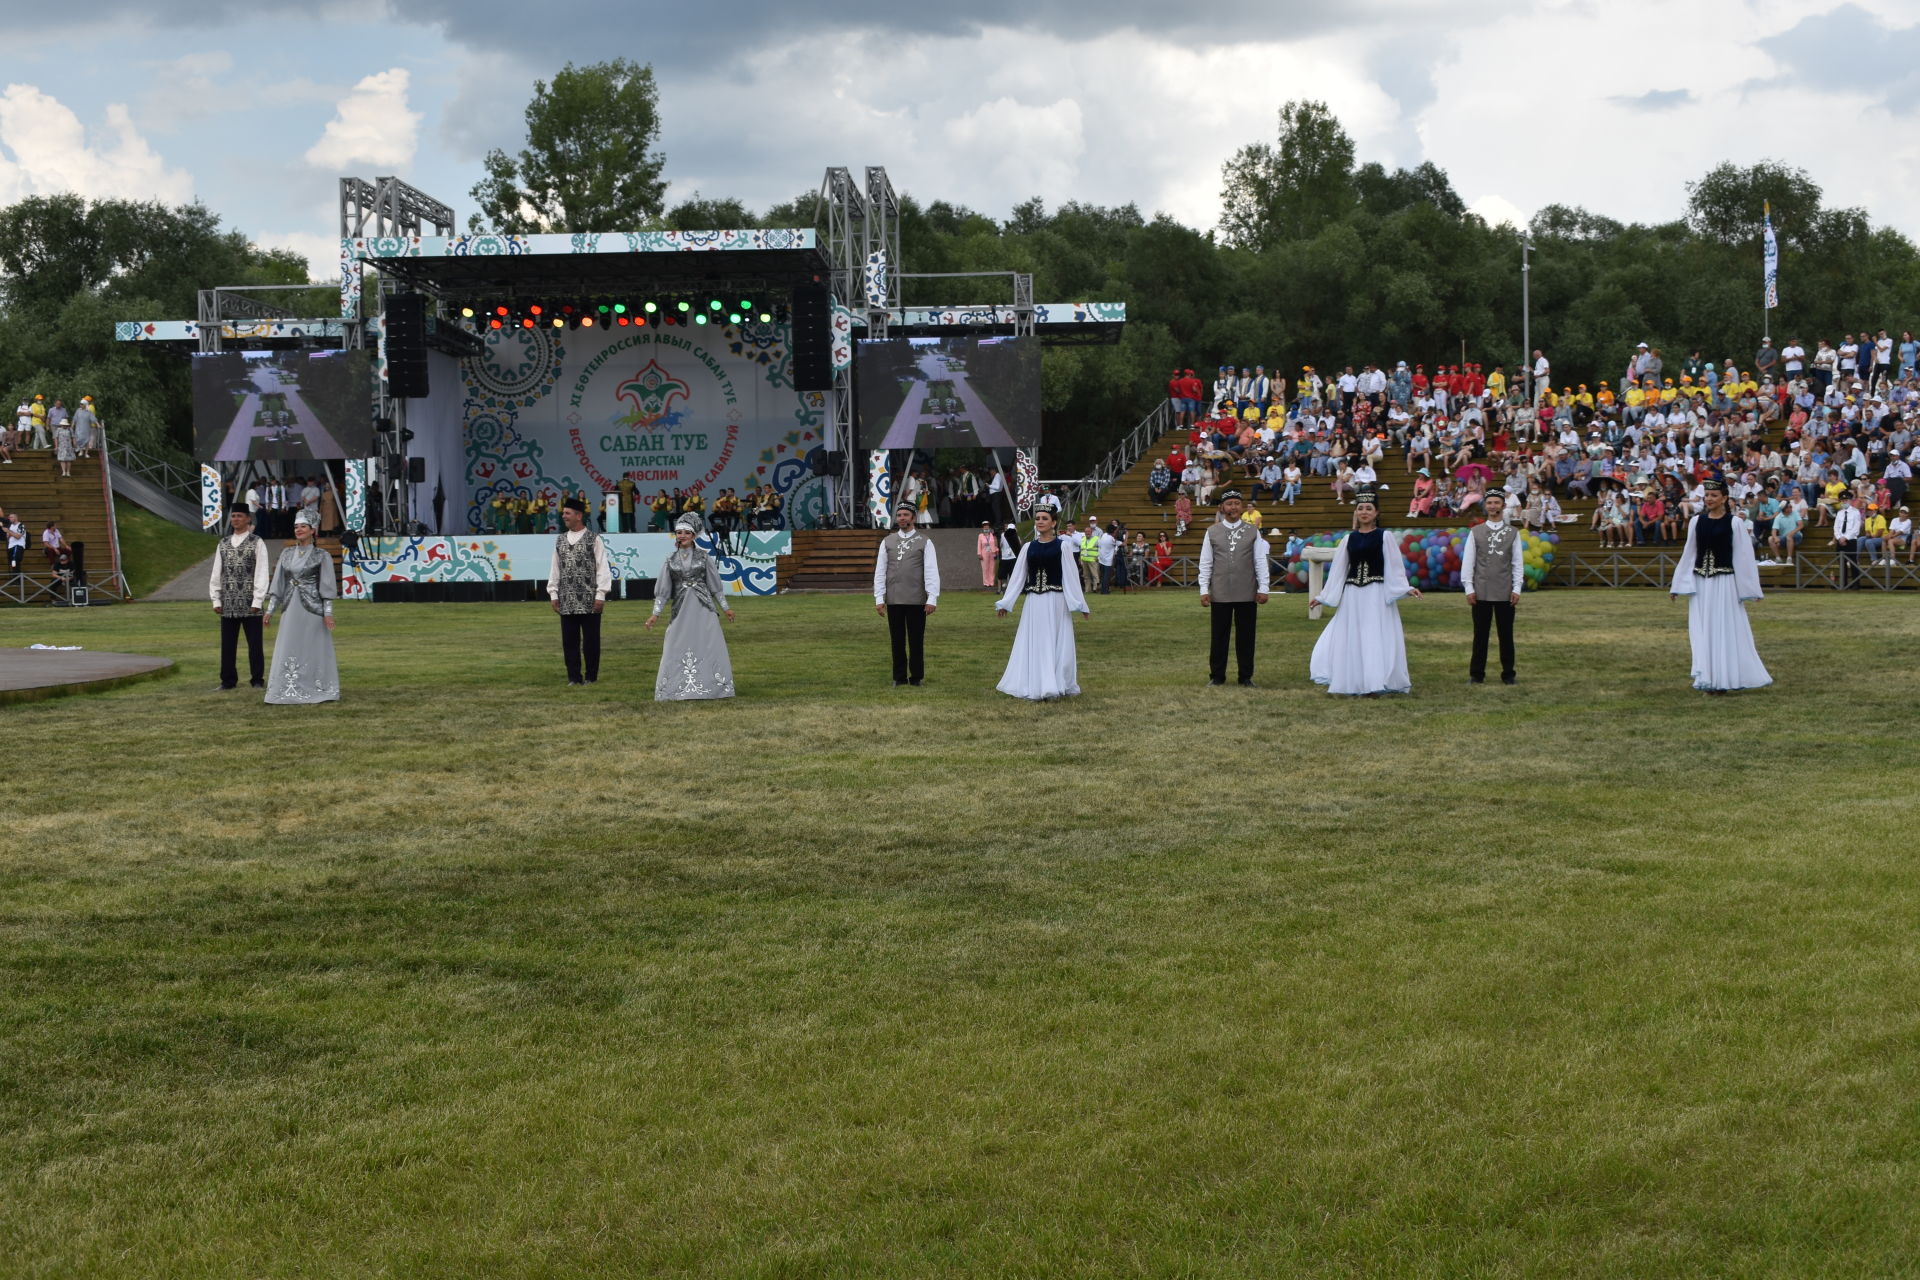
{"points": [[1317, 259]]}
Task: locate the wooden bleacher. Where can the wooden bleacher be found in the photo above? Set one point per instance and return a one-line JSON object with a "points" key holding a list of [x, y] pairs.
{"points": [[830, 560], [83, 504]]}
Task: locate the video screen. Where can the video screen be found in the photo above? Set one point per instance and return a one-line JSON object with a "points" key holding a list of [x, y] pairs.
{"points": [[949, 393], [285, 406]]}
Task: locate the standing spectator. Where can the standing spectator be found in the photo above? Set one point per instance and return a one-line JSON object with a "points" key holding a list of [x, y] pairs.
{"points": [[1850, 359], [1108, 549], [1766, 359], [1793, 358], [1882, 358], [1009, 550], [9, 441], [1177, 397], [1087, 555], [987, 547], [16, 543], [63, 450], [1542, 376], [1349, 385], [1909, 355], [37, 422], [89, 433], [1847, 524]]}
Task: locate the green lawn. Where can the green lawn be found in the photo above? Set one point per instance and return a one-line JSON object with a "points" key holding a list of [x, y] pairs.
{"points": [[475, 975], [154, 551]]}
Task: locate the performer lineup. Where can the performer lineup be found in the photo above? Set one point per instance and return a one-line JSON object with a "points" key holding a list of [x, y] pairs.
{"points": [[1361, 652]]}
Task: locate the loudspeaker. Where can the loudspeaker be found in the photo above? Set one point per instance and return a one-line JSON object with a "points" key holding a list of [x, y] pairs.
{"points": [[417, 471], [79, 561], [812, 338], [406, 321], [829, 462], [639, 588]]}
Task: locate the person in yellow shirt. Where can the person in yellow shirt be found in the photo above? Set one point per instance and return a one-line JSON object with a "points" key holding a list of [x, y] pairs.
{"points": [[1497, 384], [1831, 497], [1252, 516], [1873, 533], [1636, 398], [1668, 392], [1276, 412], [1583, 396]]}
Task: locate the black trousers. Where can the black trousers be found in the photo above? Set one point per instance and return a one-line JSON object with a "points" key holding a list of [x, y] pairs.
{"points": [[1485, 614], [1849, 563], [907, 629], [580, 644], [230, 631], [1237, 618]]}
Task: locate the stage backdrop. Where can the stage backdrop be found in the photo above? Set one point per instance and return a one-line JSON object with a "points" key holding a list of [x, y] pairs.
{"points": [[527, 557], [703, 407]]}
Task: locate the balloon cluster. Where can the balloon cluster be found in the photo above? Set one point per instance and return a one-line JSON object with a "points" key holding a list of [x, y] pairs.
{"points": [[1432, 557]]}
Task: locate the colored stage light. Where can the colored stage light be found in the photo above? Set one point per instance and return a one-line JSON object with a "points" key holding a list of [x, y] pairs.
{"points": [[586, 322], [533, 309], [466, 313], [603, 308], [559, 322], [714, 305], [495, 322], [684, 305], [500, 311], [566, 309], [652, 307], [641, 321], [623, 320], [700, 319], [766, 317], [620, 308], [746, 304], [733, 317], [526, 322]]}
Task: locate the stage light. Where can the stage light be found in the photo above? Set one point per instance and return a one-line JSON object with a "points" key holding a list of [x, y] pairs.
{"points": [[641, 321], [495, 322], [714, 305], [652, 307], [586, 322], [733, 317], [526, 323], [559, 322], [533, 309], [746, 304], [500, 311], [766, 317], [701, 318], [466, 313], [684, 305], [623, 320], [603, 308]]}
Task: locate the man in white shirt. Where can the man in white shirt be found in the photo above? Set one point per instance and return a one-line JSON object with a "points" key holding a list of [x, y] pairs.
{"points": [[1847, 523], [1542, 373], [16, 543], [1492, 566], [238, 590], [906, 591], [578, 580], [1233, 583], [1109, 548], [1349, 388], [1793, 357]]}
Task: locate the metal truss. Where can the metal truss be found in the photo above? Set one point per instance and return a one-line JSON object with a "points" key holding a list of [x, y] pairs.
{"points": [[389, 207]]}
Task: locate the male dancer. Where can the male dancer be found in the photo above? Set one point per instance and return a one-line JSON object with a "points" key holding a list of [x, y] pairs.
{"points": [[1491, 567], [1233, 582], [577, 582], [239, 590], [906, 590]]}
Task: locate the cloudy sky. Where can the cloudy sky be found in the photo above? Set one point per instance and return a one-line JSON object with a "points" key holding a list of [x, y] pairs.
{"points": [[258, 106]]}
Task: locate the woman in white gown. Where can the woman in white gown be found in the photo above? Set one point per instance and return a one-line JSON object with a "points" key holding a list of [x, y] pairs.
{"points": [[1043, 666], [1718, 575], [1363, 650]]}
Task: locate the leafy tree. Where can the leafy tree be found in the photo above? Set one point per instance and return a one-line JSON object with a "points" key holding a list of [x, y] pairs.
{"points": [[1292, 188], [589, 162], [697, 213]]}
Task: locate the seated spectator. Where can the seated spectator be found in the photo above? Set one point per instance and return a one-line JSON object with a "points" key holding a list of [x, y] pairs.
{"points": [[1783, 540], [1900, 536], [1873, 536], [1160, 483], [1650, 520], [1291, 476], [1423, 495], [1182, 513]]}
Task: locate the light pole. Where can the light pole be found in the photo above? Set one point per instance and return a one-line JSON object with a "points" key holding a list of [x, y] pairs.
{"points": [[1526, 317]]}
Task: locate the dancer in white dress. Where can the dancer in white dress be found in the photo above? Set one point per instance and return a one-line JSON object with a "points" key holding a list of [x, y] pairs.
{"points": [[1718, 575], [1043, 666], [1363, 651]]}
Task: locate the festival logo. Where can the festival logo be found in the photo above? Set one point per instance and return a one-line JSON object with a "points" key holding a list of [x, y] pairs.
{"points": [[652, 395], [656, 408]]}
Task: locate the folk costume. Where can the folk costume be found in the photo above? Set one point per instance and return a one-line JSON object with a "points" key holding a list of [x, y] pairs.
{"points": [[239, 591], [1718, 575], [303, 592], [578, 580], [1233, 570], [1043, 665], [694, 665], [1363, 649], [906, 581], [1492, 567]]}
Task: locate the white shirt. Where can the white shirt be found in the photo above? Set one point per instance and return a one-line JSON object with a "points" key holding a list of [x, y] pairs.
{"points": [[1109, 545], [1541, 368], [1846, 524], [259, 572], [602, 572], [1349, 384], [1793, 357], [16, 534], [1259, 560], [929, 569]]}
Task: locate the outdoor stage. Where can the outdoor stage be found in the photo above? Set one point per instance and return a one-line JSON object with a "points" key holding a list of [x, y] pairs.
{"points": [[27, 675]]}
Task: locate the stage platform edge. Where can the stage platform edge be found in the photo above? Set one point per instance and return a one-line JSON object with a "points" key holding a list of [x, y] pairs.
{"points": [[29, 675]]}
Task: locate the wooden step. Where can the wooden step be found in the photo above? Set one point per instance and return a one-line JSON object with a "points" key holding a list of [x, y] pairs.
{"points": [[33, 487]]}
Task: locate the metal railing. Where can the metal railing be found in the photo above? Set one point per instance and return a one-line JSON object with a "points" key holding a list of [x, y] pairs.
{"points": [[1808, 571], [171, 477], [1077, 495]]}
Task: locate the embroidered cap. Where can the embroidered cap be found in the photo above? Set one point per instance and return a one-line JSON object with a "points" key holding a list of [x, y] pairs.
{"points": [[308, 517]]}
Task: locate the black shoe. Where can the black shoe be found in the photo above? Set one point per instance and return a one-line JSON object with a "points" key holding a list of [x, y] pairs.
{"points": [[256, 684], [1476, 679], [593, 679], [1247, 683], [899, 684], [1508, 679], [572, 683], [1216, 680], [225, 688], [914, 683]]}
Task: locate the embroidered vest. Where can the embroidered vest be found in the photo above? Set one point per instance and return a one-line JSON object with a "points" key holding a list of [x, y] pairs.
{"points": [[236, 577], [906, 568], [1493, 552], [1234, 547], [577, 585]]}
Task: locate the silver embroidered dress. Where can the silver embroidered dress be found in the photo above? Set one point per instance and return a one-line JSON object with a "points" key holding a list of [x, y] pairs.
{"points": [[302, 594], [694, 664]]}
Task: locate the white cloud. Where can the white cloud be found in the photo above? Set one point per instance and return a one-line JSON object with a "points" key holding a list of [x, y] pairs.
{"points": [[322, 252], [1498, 210], [372, 126], [44, 149]]}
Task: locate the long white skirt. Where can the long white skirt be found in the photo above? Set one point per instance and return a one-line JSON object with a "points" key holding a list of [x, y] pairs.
{"points": [[1723, 652], [1043, 665], [1363, 650]]}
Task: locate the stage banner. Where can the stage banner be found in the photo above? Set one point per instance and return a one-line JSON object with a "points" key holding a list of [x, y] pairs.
{"points": [[211, 498], [528, 557], [553, 411], [879, 488], [356, 513]]}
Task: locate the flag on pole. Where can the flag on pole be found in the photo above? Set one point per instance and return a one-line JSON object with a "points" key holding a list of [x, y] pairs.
{"points": [[1771, 254]]}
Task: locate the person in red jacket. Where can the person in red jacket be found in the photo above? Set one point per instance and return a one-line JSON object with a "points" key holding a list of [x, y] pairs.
{"points": [[1420, 383]]}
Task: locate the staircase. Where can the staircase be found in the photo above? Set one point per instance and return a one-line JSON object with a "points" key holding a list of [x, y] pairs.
{"points": [[83, 504], [830, 560]]}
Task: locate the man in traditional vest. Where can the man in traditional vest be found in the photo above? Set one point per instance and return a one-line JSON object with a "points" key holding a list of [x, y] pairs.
{"points": [[1491, 565], [906, 589], [239, 590], [577, 582], [1233, 583]]}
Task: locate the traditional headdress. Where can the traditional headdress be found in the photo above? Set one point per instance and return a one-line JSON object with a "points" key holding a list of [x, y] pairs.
{"points": [[308, 517], [574, 504], [688, 522], [1367, 497]]}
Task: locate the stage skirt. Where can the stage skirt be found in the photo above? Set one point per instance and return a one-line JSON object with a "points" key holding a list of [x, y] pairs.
{"points": [[1362, 650], [694, 664], [1723, 652], [1043, 665]]}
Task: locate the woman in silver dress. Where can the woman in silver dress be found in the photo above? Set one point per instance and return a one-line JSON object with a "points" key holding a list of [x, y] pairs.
{"points": [[694, 664], [303, 593]]}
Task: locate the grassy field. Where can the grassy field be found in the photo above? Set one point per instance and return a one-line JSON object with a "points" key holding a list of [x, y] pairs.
{"points": [[476, 975], [154, 551]]}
